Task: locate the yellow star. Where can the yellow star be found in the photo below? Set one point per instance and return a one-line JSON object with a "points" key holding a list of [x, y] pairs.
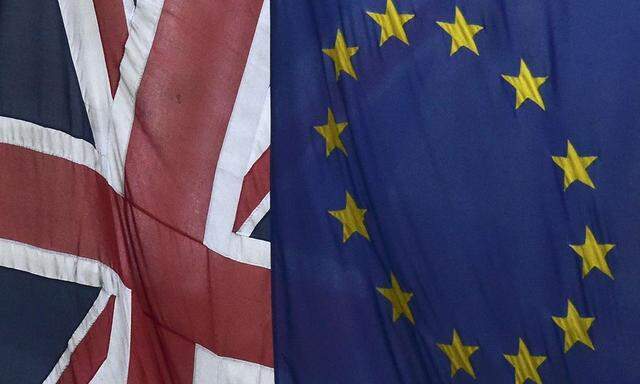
{"points": [[575, 166], [341, 56], [526, 86], [459, 355], [352, 219], [593, 254], [331, 133], [575, 328], [399, 300], [392, 23], [526, 365], [461, 33]]}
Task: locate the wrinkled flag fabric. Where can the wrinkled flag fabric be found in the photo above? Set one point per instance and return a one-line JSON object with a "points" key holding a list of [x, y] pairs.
{"points": [[455, 191], [134, 192]]}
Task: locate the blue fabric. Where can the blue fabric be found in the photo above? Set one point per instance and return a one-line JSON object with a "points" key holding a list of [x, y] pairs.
{"points": [[38, 78], [39, 316], [262, 231], [465, 205]]}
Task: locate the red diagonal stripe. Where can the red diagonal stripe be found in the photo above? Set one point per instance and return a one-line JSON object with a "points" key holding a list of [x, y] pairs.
{"points": [[255, 187], [92, 351], [113, 32]]}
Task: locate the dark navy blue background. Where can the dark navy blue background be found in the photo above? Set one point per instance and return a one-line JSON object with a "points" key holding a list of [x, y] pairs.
{"points": [[38, 81], [262, 230], [37, 318], [464, 203]]}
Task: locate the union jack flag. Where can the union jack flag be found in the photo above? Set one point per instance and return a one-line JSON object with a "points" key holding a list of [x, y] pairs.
{"points": [[134, 159]]}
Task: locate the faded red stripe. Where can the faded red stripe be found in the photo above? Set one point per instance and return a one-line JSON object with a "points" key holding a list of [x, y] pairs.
{"points": [[112, 23], [54, 204], [255, 187], [183, 107], [92, 351], [181, 286], [214, 301]]}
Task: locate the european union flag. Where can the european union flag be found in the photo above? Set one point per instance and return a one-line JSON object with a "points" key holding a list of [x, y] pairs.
{"points": [[456, 191]]}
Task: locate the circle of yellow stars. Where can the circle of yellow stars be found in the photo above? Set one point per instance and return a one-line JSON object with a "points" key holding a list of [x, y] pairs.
{"points": [[527, 85]]}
